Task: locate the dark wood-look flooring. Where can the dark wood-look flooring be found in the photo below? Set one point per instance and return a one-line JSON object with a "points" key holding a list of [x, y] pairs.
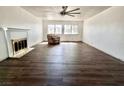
{"points": [[64, 64]]}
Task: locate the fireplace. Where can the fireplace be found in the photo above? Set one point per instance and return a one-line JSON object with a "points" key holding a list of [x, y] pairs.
{"points": [[18, 45], [17, 42]]}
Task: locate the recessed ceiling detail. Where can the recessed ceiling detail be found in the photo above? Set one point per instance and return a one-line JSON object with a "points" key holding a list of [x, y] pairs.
{"points": [[53, 12]]}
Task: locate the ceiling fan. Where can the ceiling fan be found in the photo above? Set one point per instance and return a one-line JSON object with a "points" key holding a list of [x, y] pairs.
{"points": [[69, 12]]}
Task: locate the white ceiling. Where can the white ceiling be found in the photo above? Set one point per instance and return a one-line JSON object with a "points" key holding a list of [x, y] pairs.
{"points": [[53, 12]]}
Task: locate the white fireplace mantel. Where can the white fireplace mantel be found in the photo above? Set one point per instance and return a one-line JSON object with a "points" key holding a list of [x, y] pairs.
{"points": [[18, 29], [14, 33]]}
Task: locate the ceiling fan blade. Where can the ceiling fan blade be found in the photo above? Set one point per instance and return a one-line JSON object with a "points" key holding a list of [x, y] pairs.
{"points": [[73, 10], [74, 13], [71, 15], [64, 8]]}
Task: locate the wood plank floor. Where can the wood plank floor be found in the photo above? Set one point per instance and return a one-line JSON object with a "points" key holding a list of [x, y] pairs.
{"points": [[64, 64]]}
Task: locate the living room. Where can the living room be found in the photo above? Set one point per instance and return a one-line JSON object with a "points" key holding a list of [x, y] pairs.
{"points": [[89, 50]]}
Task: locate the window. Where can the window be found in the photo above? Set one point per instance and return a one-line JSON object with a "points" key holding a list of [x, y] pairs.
{"points": [[58, 29], [54, 29], [67, 29], [63, 29], [51, 29], [70, 29], [74, 29]]}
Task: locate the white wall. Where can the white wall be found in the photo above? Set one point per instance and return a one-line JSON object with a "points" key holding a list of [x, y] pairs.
{"points": [[3, 47], [105, 31], [17, 17], [64, 37]]}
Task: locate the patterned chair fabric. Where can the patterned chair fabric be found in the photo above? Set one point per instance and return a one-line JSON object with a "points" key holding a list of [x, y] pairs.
{"points": [[53, 39]]}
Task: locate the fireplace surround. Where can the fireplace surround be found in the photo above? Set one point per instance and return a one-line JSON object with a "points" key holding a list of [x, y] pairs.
{"points": [[16, 42]]}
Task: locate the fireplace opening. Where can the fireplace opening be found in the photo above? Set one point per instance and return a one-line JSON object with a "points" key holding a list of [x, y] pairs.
{"points": [[18, 45]]}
